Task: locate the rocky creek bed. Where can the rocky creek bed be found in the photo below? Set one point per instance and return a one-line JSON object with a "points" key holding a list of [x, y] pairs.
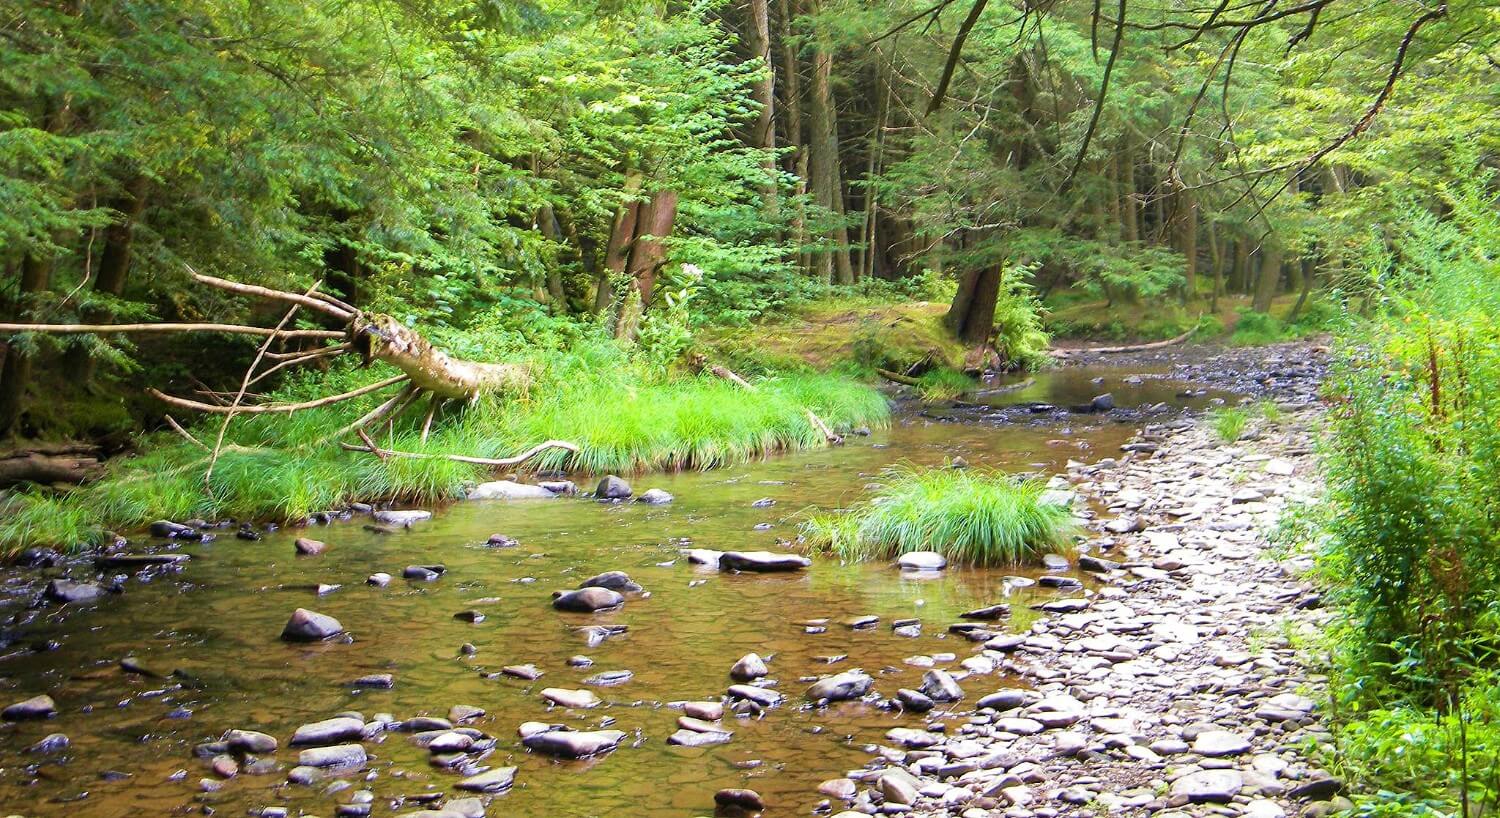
{"points": [[1151, 675]]}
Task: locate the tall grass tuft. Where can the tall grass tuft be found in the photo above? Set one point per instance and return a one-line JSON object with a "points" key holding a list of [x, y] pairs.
{"points": [[1229, 422], [945, 384], [972, 517]]}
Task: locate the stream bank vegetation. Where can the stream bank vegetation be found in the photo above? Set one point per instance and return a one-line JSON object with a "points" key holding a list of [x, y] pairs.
{"points": [[1412, 535], [970, 516]]}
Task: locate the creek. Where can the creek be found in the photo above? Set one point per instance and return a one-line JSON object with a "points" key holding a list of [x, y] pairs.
{"points": [[218, 621]]}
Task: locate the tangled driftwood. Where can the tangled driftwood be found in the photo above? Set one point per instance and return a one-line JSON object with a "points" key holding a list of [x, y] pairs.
{"points": [[425, 369]]}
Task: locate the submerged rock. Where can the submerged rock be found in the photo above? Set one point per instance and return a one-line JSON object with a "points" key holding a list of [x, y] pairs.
{"points": [[618, 581], [740, 799], [339, 755], [698, 738], [250, 742], [67, 591], [655, 497], [574, 743], [36, 707], [508, 490], [580, 699], [52, 743], [402, 517], [502, 541], [940, 686], [587, 600], [329, 731], [840, 687], [762, 561], [499, 779], [310, 626], [309, 548]]}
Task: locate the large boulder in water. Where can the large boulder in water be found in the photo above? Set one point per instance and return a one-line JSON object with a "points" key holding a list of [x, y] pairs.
{"points": [[587, 600], [654, 497], [310, 626], [840, 687], [496, 780], [762, 561], [574, 743], [328, 731], [612, 488], [749, 668], [508, 490], [922, 561], [402, 517], [36, 707], [67, 591]]}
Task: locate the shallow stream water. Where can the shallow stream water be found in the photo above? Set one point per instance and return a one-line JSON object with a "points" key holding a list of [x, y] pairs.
{"points": [[218, 621]]}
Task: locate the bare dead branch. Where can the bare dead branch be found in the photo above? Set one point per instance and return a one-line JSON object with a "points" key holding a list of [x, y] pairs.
{"points": [[232, 329], [267, 408], [309, 353], [186, 435], [276, 295]]}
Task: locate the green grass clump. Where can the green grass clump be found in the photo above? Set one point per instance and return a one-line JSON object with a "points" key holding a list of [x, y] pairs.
{"points": [[945, 384], [1229, 422], [625, 416], [972, 517]]}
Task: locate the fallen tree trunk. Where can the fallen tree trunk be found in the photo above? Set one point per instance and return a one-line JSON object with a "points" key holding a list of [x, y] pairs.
{"points": [[41, 467], [383, 338], [1066, 353]]}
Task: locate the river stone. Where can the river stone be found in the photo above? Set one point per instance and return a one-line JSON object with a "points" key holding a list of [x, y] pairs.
{"points": [[1102, 403], [897, 787], [310, 626], [654, 497], [571, 698], [378, 681], [308, 547], [708, 711], [379, 579], [499, 779], [36, 707], [1216, 743], [1096, 565], [843, 789], [450, 742], [339, 755], [528, 672], [749, 668], [52, 743], [502, 541], [939, 686], [741, 798], [704, 556], [762, 561], [68, 591], [1007, 699], [1020, 726], [922, 561], [840, 687], [574, 743], [609, 678], [915, 701], [989, 612], [1206, 786], [759, 695], [1321, 787], [249, 742], [423, 573], [131, 562], [402, 517], [167, 528], [587, 600], [699, 725], [912, 739], [224, 766], [617, 581], [508, 490], [1285, 707], [698, 738], [328, 731], [612, 488]]}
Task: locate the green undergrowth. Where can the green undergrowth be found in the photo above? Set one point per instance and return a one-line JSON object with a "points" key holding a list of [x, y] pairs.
{"points": [[970, 516], [625, 414], [945, 384]]}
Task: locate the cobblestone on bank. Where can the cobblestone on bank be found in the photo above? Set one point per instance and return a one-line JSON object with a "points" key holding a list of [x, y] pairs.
{"points": [[1174, 688]]}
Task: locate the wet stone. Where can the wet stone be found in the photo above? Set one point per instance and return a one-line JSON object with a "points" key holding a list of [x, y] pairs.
{"points": [[571, 698], [69, 592], [383, 681], [339, 755], [762, 561], [309, 547], [840, 687], [617, 581], [310, 626], [36, 707], [52, 743], [498, 779], [698, 738], [587, 600], [249, 742], [328, 731], [574, 743], [749, 668], [612, 488], [609, 678]]}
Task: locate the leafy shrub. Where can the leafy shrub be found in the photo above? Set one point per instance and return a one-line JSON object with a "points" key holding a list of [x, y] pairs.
{"points": [[970, 516]]}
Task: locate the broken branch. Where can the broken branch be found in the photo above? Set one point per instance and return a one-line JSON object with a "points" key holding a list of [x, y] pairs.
{"points": [[275, 407], [233, 329]]}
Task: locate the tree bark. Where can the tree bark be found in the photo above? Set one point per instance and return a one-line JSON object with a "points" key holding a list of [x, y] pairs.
{"points": [[1127, 192], [648, 250], [1241, 272], [1270, 276], [971, 316], [826, 180], [36, 274], [763, 131], [617, 252]]}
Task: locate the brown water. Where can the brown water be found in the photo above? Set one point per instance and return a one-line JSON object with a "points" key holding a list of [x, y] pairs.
{"points": [[219, 620]]}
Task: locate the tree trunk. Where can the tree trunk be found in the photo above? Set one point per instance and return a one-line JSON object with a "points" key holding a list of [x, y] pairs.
{"points": [[36, 274], [872, 167], [648, 251], [1269, 278], [763, 131], [826, 180], [617, 252], [114, 270], [1241, 270], [971, 316], [1216, 258], [1127, 192], [1307, 274], [1187, 240], [547, 222]]}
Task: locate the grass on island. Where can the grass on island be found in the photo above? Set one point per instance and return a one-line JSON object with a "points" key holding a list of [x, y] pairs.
{"points": [[970, 516], [625, 417]]}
